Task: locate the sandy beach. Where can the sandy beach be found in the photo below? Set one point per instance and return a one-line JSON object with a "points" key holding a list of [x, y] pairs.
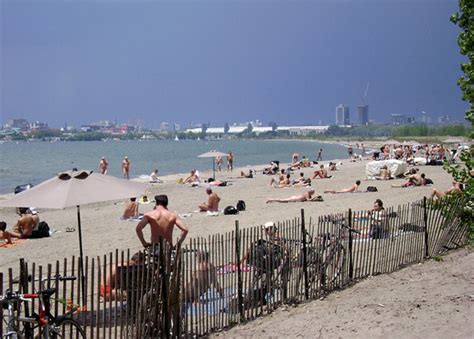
{"points": [[103, 231]]}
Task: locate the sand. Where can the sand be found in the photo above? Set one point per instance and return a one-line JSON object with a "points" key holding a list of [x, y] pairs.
{"points": [[103, 231], [430, 300]]}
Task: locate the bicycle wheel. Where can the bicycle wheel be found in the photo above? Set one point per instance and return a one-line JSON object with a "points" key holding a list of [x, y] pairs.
{"points": [[313, 267], [333, 266], [64, 328]]}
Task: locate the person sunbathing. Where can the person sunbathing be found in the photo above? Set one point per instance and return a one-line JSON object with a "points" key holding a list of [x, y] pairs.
{"points": [[332, 166], [131, 209], [285, 182], [192, 178], [456, 188], [413, 180], [4, 234], [322, 173], [307, 196], [250, 175], [212, 202], [384, 174], [202, 278], [352, 189]]}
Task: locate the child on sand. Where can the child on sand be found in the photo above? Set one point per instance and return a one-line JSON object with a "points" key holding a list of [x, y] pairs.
{"points": [[4, 234]]}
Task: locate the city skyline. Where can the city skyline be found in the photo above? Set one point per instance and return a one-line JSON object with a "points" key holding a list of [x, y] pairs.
{"points": [[284, 62]]}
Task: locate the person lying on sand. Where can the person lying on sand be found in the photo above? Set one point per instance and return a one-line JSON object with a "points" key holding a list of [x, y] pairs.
{"points": [[212, 202], [202, 278], [250, 175], [352, 189], [456, 188], [413, 180], [108, 290], [321, 173], [283, 182], [295, 198], [4, 234]]}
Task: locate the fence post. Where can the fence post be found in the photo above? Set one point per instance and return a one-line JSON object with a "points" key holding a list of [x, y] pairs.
{"points": [[164, 289], [425, 219], [305, 259], [351, 263], [24, 289], [239, 272]]}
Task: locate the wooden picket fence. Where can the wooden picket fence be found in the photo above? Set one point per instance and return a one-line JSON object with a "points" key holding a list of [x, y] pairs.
{"points": [[216, 282]]}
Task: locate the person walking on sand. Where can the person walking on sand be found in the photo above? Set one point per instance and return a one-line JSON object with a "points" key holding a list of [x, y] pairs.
{"points": [[161, 223], [212, 202], [350, 151], [320, 157], [126, 168], [219, 162], [295, 198], [230, 161], [352, 189], [103, 166]]}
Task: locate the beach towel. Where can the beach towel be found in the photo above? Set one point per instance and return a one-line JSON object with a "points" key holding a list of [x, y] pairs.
{"points": [[15, 243], [211, 302]]}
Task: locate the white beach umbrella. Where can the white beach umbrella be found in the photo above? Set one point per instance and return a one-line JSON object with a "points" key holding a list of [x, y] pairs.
{"points": [[212, 154], [75, 188]]}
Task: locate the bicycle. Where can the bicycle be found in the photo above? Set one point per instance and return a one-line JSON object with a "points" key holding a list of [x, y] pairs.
{"points": [[47, 325], [326, 261]]}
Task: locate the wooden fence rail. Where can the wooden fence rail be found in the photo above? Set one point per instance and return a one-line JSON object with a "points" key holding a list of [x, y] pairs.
{"points": [[216, 282]]}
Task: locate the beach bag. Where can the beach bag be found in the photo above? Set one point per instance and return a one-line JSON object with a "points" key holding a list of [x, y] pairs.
{"points": [[41, 232], [372, 189], [428, 181], [240, 205], [229, 210]]}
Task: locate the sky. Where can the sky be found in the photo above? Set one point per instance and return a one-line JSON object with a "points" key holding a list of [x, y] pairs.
{"points": [[289, 62]]}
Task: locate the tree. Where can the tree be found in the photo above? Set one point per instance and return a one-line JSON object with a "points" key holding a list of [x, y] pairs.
{"points": [[464, 172]]}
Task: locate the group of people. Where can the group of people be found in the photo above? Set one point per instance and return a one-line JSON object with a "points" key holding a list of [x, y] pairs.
{"points": [[230, 162], [27, 226], [126, 166]]}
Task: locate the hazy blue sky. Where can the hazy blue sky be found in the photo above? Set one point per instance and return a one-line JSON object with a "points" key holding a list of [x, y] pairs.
{"points": [[291, 62]]}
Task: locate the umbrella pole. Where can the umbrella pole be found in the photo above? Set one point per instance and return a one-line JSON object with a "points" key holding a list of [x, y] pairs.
{"points": [[214, 168], [81, 258]]}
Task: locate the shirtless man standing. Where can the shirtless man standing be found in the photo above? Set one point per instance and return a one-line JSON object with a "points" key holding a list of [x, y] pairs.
{"points": [[212, 202], [295, 198], [103, 166], [126, 168], [230, 161], [162, 223]]}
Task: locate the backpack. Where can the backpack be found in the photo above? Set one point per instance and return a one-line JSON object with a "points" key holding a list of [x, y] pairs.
{"points": [[372, 189], [41, 232], [230, 210], [265, 256], [240, 205]]}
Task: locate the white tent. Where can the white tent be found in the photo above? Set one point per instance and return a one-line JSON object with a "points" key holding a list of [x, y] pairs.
{"points": [[396, 168]]}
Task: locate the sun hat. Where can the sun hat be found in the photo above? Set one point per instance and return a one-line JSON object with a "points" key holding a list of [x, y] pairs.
{"points": [[269, 224]]}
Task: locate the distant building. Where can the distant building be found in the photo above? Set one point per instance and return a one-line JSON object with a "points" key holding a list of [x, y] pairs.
{"points": [[444, 119], [399, 119], [164, 126], [21, 124], [176, 127], [342, 115], [363, 114], [39, 126], [425, 119]]}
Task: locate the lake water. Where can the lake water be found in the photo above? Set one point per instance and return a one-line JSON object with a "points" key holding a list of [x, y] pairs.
{"points": [[33, 162]]}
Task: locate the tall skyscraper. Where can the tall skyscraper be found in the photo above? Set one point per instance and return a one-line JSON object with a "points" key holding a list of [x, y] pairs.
{"points": [[363, 114], [342, 115]]}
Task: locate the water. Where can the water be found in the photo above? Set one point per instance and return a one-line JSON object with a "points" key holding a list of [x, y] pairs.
{"points": [[33, 162]]}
